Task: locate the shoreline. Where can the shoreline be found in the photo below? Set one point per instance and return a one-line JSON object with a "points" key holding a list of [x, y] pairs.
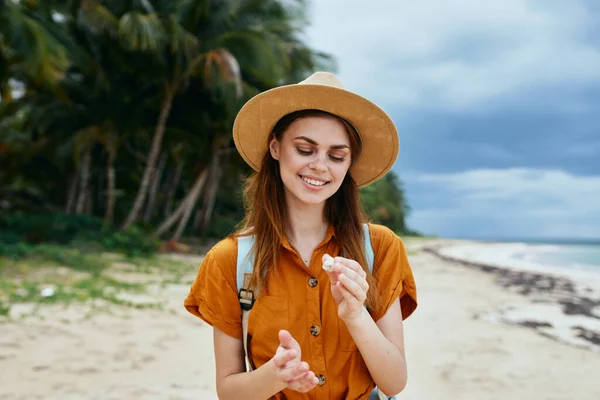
{"points": [[564, 303]]}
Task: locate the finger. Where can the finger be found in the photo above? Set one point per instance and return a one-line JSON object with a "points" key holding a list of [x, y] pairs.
{"points": [[352, 288], [305, 383], [353, 265], [293, 372], [354, 276], [347, 295], [286, 339], [280, 360], [333, 276], [306, 379], [335, 290]]}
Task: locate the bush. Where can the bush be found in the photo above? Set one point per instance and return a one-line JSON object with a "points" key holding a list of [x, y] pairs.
{"points": [[19, 235], [132, 242], [15, 250], [50, 228]]}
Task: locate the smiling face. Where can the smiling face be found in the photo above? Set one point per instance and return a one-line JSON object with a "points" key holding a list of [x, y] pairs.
{"points": [[314, 157]]}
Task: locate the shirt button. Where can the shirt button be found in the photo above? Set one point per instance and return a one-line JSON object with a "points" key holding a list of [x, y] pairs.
{"points": [[315, 330], [321, 379], [312, 281]]}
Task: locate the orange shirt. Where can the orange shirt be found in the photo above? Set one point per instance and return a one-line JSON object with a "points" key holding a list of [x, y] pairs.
{"points": [[299, 300]]}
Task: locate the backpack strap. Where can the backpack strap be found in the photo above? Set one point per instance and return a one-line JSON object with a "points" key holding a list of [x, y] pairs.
{"points": [[245, 266], [368, 248]]}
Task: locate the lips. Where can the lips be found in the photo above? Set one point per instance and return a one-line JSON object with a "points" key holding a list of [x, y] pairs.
{"points": [[313, 181]]}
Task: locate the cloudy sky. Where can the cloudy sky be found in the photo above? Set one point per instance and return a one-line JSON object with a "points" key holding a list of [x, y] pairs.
{"points": [[497, 104]]}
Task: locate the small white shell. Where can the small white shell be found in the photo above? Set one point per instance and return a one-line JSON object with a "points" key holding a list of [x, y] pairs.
{"points": [[328, 264]]}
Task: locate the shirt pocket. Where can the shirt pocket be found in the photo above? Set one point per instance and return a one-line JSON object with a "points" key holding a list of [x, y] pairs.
{"points": [[268, 316], [346, 341]]}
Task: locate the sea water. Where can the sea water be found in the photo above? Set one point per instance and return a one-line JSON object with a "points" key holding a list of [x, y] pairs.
{"points": [[560, 253], [564, 255]]}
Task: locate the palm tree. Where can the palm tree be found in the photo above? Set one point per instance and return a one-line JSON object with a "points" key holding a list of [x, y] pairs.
{"points": [[206, 40], [30, 48], [138, 76], [257, 43]]}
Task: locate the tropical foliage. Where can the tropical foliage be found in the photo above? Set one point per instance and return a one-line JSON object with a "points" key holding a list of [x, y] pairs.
{"points": [[121, 112]]}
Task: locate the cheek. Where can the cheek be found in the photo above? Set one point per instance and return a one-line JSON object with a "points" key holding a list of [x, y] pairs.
{"points": [[292, 160], [339, 170]]}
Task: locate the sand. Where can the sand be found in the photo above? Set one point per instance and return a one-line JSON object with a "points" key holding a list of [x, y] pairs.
{"points": [[463, 342]]}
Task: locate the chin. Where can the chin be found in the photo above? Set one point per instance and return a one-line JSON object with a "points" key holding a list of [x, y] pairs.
{"points": [[310, 198]]}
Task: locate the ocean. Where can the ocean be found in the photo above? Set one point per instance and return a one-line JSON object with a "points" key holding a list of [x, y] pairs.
{"points": [[568, 256], [559, 252], [562, 255]]}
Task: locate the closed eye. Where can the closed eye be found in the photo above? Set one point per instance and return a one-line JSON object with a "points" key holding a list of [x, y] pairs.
{"points": [[309, 152]]}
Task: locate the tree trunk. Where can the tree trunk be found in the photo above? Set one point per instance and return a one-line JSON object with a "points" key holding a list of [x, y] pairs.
{"points": [[173, 187], [210, 194], [89, 200], [109, 215], [70, 207], [154, 189], [192, 196], [197, 220], [85, 177], [189, 207], [154, 152]]}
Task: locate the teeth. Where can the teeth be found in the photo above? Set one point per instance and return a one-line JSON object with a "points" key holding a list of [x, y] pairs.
{"points": [[313, 182]]}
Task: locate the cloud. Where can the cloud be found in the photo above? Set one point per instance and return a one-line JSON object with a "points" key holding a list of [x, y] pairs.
{"points": [[517, 202], [497, 105], [459, 55]]}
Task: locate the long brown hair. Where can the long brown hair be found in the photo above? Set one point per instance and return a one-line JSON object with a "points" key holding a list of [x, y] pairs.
{"points": [[265, 207]]}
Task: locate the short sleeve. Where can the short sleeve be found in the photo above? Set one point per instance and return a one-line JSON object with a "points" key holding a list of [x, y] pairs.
{"points": [[213, 295], [393, 273]]}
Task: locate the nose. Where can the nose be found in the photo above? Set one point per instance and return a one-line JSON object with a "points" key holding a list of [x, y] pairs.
{"points": [[319, 162]]}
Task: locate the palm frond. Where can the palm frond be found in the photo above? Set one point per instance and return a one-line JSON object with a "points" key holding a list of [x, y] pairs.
{"points": [[191, 12], [252, 50], [47, 59], [141, 32], [181, 41], [98, 18]]}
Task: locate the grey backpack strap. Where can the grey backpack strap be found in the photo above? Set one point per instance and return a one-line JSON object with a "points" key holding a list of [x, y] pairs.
{"points": [[369, 248], [245, 266]]}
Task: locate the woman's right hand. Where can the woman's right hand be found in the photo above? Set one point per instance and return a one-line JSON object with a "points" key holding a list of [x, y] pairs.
{"points": [[289, 366]]}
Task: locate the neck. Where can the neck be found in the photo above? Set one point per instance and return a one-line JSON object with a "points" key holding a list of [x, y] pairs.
{"points": [[306, 222]]}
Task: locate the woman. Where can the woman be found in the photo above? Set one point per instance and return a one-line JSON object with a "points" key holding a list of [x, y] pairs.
{"points": [[313, 333]]}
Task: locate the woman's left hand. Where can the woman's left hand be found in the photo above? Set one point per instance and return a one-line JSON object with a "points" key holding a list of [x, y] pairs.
{"points": [[349, 287]]}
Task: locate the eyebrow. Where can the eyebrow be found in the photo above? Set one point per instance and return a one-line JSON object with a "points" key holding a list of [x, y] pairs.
{"points": [[335, 146]]}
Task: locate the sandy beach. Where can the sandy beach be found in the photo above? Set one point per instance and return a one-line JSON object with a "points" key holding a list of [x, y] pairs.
{"points": [[480, 332]]}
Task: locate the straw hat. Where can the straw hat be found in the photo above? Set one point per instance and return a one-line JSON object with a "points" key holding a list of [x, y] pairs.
{"points": [[322, 91]]}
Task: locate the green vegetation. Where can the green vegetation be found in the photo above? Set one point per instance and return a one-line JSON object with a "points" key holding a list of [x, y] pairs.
{"points": [[115, 134], [58, 274], [123, 111]]}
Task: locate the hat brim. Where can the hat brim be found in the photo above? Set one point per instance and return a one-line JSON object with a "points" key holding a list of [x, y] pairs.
{"points": [[257, 118]]}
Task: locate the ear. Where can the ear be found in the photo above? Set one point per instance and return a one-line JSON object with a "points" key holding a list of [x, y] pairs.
{"points": [[274, 148]]}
